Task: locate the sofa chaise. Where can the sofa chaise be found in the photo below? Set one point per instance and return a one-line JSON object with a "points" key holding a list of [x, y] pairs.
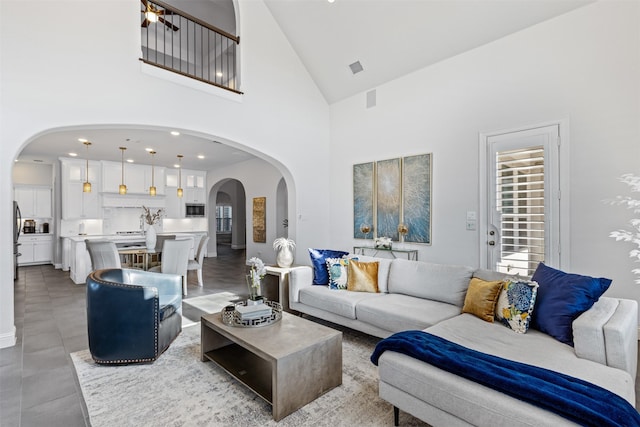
{"points": [[415, 295]]}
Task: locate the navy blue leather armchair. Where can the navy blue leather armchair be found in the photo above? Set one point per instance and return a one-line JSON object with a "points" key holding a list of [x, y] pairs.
{"points": [[132, 315]]}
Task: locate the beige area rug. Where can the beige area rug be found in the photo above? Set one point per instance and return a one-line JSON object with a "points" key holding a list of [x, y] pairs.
{"points": [[180, 390]]}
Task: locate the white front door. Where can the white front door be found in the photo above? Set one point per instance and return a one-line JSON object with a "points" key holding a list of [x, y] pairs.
{"points": [[522, 200]]}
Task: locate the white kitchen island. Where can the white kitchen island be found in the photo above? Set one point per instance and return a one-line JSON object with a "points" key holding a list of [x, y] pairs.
{"points": [[75, 257]]}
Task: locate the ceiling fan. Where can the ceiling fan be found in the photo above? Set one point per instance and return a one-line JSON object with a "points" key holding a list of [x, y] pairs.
{"points": [[154, 14]]}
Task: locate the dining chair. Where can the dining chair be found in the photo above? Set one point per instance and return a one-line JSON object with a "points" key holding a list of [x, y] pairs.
{"points": [[196, 264], [175, 259], [103, 254]]}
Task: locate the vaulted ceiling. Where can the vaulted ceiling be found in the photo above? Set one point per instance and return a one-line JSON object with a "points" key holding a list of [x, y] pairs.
{"points": [[392, 38]]}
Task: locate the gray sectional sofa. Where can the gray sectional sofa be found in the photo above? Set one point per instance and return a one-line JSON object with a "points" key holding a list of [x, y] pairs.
{"points": [[424, 296]]}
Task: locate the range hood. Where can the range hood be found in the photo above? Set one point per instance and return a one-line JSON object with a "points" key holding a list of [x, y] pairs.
{"points": [[132, 201]]}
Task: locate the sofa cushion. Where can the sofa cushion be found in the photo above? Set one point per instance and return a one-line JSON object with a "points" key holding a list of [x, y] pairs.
{"points": [[479, 405], [535, 348], [339, 302], [515, 304], [363, 276], [338, 272], [481, 298], [384, 265], [438, 282], [319, 263], [397, 312], [562, 297]]}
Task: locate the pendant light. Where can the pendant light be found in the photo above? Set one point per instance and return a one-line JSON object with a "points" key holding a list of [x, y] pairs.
{"points": [[123, 188], [180, 175], [86, 187], [152, 189]]}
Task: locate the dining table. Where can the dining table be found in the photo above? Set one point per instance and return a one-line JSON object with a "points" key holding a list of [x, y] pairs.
{"points": [[139, 257]]}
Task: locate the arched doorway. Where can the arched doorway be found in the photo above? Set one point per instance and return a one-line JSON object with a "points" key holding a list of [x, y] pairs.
{"points": [[227, 221]]}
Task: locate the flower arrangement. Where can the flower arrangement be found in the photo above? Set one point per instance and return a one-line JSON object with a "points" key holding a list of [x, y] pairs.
{"points": [[256, 272], [150, 218], [633, 236]]}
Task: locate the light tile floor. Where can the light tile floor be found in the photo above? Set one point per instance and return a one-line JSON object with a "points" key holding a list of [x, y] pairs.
{"points": [[38, 386]]}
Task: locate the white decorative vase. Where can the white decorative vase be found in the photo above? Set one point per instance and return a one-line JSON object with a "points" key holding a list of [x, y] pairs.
{"points": [[150, 238], [284, 257]]}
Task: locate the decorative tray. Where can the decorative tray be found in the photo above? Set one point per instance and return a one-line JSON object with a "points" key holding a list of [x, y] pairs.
{"points": [[231, 316]]}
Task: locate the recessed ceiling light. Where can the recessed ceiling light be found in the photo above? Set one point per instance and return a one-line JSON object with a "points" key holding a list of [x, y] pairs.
{"points": [[201, 156], [175, 133], [219, 74], [129, 160], [176, 166], [73, 154], [331, 1], [83, 140], [148, 149]]}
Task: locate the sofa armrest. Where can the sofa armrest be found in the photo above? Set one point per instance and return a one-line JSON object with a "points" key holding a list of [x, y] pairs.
{"points": [[621, 336], [299, 277], [607, 333]]}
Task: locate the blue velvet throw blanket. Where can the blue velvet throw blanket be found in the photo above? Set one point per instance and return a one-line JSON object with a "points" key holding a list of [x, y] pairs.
{"points": [[572, 398]]}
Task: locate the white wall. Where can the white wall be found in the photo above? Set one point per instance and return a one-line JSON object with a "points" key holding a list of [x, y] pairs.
{"points": [[33, 174], [61, 67], [583, 66], [259, 179]]}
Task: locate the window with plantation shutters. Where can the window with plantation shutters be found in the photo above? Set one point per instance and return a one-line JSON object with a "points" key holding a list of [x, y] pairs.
{"points": [[520, 202]]}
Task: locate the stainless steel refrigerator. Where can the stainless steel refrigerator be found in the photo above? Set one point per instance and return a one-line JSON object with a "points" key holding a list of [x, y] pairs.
{"points": [[17, 224]]}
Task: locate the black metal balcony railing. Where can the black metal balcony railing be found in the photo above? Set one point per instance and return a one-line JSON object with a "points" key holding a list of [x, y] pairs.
{"points": [[178, 42]]}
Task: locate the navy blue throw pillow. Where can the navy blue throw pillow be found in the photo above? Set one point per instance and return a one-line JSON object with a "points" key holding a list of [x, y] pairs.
{"points": [[318, 260], [562, 297]]}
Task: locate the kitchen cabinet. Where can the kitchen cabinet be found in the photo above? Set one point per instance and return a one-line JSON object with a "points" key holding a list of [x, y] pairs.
{"points": [[194, 189], [193, 186], [34, 201], [35, 249], [137, 178], [77, 204]]}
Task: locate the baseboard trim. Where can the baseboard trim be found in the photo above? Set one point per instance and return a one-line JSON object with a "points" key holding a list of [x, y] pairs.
{"points": [[9, 339]]}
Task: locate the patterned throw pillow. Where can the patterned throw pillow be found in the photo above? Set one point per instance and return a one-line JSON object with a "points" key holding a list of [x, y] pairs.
{"points": [[338, 270], [515, 304], [318, 261]]}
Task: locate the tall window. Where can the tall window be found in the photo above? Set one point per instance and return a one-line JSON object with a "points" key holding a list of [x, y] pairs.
{"points": [[224, 219], [520, 203]]}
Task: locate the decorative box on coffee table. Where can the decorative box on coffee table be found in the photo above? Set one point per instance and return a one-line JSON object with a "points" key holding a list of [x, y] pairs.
{"points": [[289, 363]]}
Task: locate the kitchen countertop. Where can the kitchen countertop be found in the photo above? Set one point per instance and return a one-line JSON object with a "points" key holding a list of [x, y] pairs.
{"points": [[124, 237]]}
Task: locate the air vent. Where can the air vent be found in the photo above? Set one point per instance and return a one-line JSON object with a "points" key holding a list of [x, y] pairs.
{"points": [[356, 67], [371, 98]]}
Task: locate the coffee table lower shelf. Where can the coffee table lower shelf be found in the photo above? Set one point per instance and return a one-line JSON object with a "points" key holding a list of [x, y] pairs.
{"points": [[288, 364], [246, 367]]}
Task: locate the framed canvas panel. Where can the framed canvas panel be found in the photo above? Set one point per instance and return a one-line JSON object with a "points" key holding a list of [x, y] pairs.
{"points": [[416, 198], [388, 198], [363, 200], [259, 219]]}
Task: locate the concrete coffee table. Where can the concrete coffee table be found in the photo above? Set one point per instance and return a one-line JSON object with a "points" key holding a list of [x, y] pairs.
{"points": [[289, 363]]}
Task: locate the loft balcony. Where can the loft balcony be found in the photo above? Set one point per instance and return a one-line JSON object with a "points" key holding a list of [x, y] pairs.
{"points": [[178, 42]]}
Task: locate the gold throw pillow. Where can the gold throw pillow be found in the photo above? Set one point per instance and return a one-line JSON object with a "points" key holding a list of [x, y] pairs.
{"points": [[362, 276], [481, 298]]}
